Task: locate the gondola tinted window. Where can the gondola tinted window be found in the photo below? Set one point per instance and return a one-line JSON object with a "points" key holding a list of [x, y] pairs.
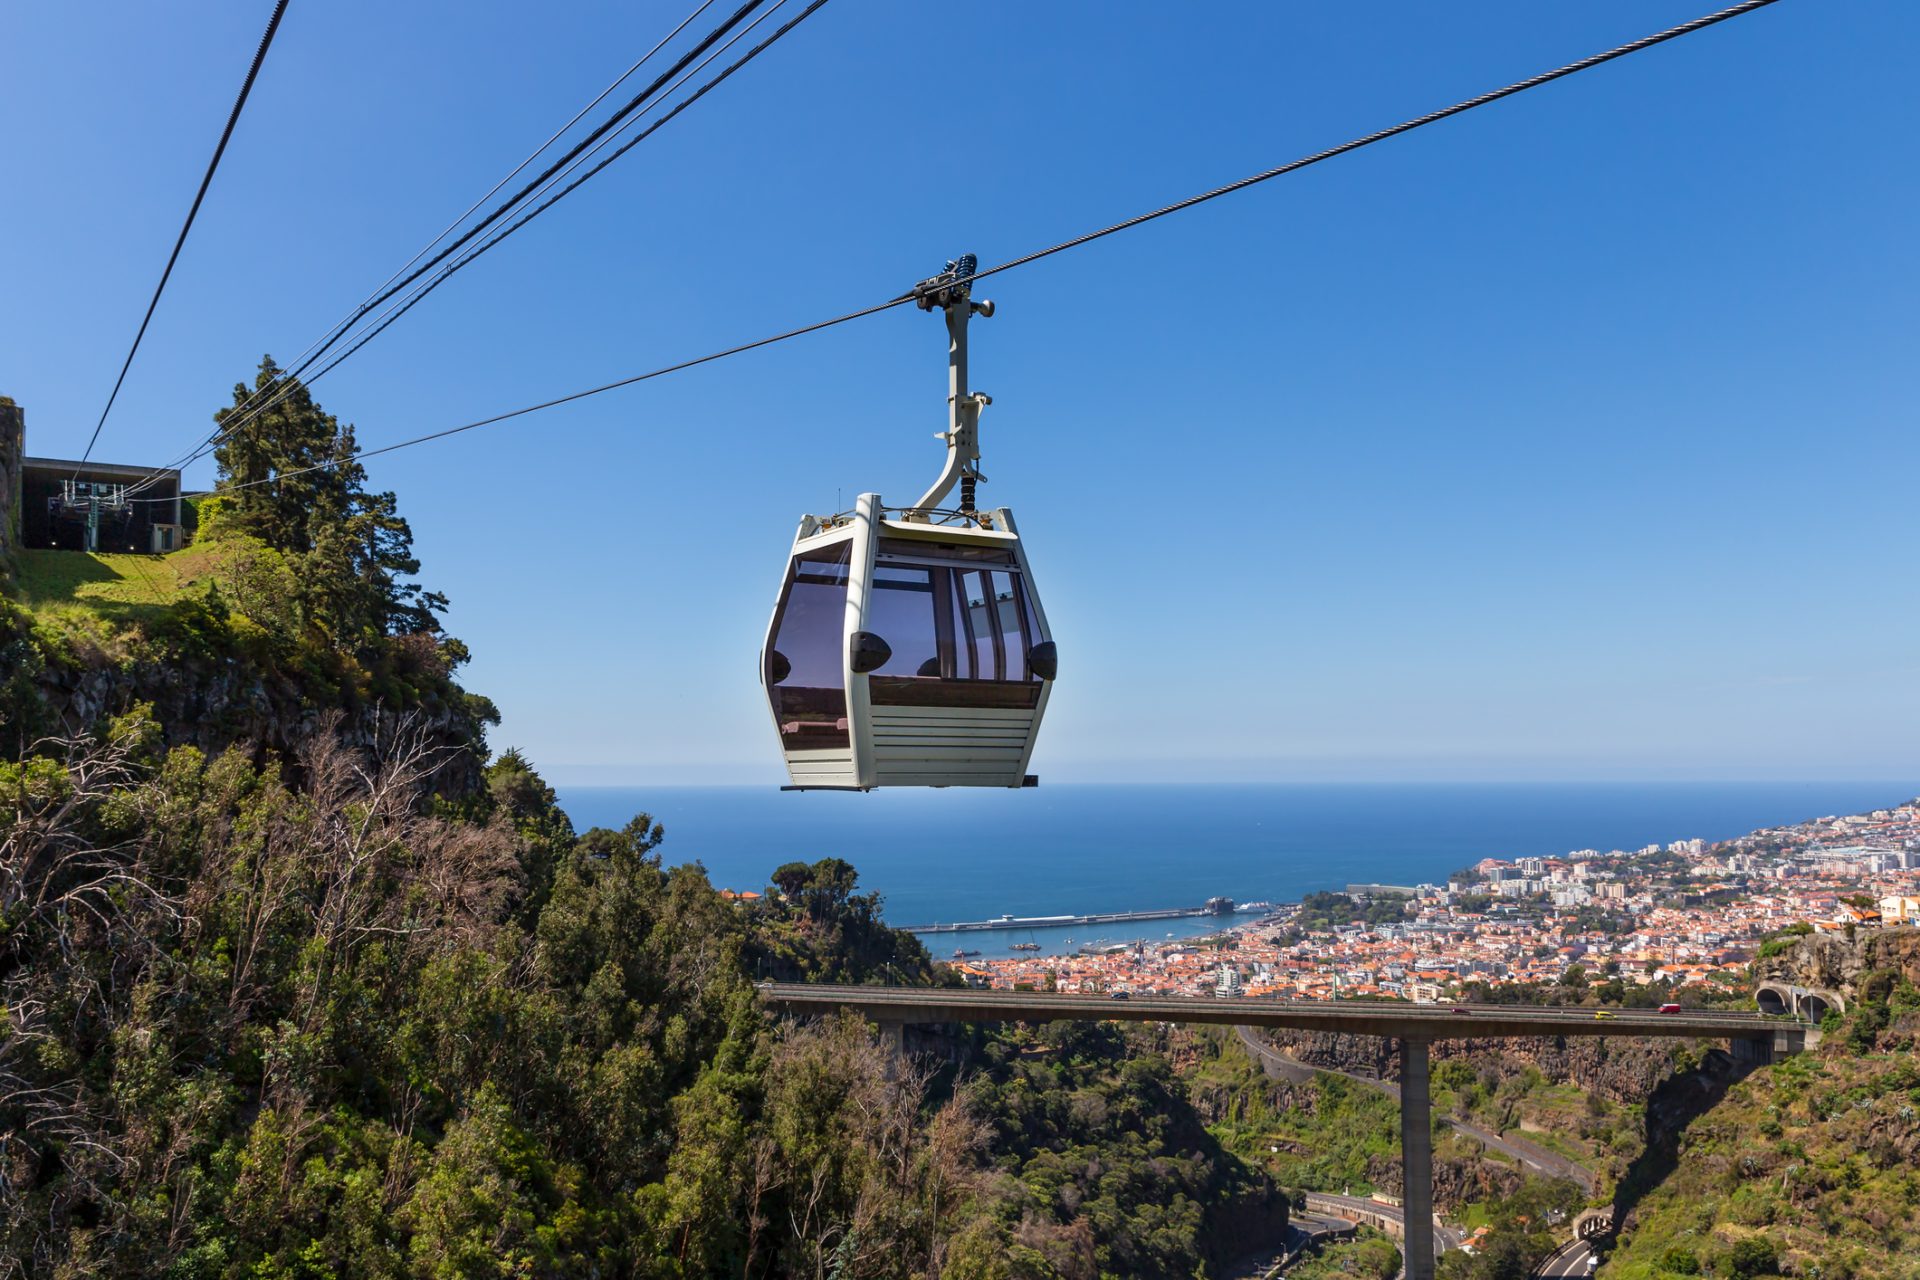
{"points": [[952, 628], [1011, 605], [805, 667], [904, 612], [995, 618]]}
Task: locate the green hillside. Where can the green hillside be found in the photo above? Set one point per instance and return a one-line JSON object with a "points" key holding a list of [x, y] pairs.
{"points": [[1809, 1168]]}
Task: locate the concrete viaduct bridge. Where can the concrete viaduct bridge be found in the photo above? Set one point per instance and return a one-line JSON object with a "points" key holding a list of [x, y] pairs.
{"points": [[1751, 1038]]}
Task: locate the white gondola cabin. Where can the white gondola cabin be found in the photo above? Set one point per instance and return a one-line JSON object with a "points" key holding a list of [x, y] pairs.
{"points": [[909, 647]]}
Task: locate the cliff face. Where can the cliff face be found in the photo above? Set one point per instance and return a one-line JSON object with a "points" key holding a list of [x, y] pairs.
{"points": [[1837, 962], [1619, 1070], [1457, 1181], [217, 703]]}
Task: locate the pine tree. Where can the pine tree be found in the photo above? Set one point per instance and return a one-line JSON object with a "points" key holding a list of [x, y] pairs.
{"points": [[294, 481]]}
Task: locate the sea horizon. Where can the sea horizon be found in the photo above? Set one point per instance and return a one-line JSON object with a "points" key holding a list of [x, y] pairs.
{"points": [[965, 854]]}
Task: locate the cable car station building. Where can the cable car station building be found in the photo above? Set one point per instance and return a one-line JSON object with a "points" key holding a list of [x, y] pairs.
{"points": [[65, 505]]}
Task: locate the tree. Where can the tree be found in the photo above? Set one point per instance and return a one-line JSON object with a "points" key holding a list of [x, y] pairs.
{"points": [[1680, 1260], [293, 480], [791, 879], [480, 1209], [288, 433], [830, 888]]}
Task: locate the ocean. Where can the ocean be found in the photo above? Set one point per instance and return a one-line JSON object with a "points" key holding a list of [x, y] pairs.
{"points": [[975, 854]]}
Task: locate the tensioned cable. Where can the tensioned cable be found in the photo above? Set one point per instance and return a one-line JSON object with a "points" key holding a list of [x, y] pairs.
{"points": [[387, 290], [558, 400], [1647, 42], [461, 262], [206, 180], [536, 152], [593, 140], [1671, 33], [346, 321], [600, 130], [401, 306]]}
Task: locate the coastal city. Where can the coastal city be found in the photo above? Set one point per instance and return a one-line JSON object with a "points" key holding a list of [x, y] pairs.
{"points": [[1687, 914]]}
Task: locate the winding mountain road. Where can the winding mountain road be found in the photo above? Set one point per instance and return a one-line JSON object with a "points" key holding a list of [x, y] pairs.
{"points": [[1444, 1238], [1571, 1259]]}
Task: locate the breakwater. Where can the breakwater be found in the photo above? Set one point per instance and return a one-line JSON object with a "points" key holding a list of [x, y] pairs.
{"points": [[1212, 907]]}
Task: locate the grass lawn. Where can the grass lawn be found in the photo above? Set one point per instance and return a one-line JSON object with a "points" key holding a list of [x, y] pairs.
{"points": [[77, 589], [51, 578]]}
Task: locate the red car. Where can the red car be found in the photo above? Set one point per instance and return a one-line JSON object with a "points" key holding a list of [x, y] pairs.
{"points": [[1669, 1008]]}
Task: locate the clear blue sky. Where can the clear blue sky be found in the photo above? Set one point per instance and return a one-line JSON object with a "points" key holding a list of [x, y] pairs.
{"points": [[1574, 438]]}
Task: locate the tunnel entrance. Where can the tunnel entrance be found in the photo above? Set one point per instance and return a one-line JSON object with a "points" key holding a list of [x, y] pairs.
{"points": [[1771, 1002]]}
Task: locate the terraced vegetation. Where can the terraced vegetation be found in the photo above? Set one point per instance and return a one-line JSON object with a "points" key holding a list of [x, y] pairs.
{"points": [[1585, 1128], [1807, 1168], [1328, 1134]]}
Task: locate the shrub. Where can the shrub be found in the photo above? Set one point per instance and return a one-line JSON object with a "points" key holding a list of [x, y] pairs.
{"points": [[1680, 1260], [1753, 1256]]}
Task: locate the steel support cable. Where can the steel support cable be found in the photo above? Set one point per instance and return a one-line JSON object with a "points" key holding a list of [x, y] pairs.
{"points": [[600, 130], [386, 291], [537, 151], [206, 180], [399, 308], [382, 295], [1647, 42], [346, 321], [1432, 117], [650, 374], [463, 261]]}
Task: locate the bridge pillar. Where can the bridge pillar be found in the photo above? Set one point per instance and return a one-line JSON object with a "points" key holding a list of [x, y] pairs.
{"points": [[1752, 1053], [1416, 1159], [893, 1035]]}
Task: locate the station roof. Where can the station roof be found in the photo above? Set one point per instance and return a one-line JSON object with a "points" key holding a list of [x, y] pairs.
{"points": [[115, 469]]}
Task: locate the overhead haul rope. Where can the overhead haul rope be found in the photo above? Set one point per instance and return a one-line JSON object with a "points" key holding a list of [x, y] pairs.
{"points": [[388, 290], [402, 306], [346, 321], [1418, 122], [193, 211]]}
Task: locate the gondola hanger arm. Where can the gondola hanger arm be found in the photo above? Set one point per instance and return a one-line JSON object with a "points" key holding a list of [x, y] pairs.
{"points": [[951, 291]]}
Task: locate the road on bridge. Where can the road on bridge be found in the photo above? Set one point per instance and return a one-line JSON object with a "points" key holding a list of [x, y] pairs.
{"points": [[1359, 1017]]}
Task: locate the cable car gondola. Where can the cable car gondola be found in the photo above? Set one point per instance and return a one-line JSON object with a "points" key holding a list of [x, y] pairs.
{"points": [[909, 647]]}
